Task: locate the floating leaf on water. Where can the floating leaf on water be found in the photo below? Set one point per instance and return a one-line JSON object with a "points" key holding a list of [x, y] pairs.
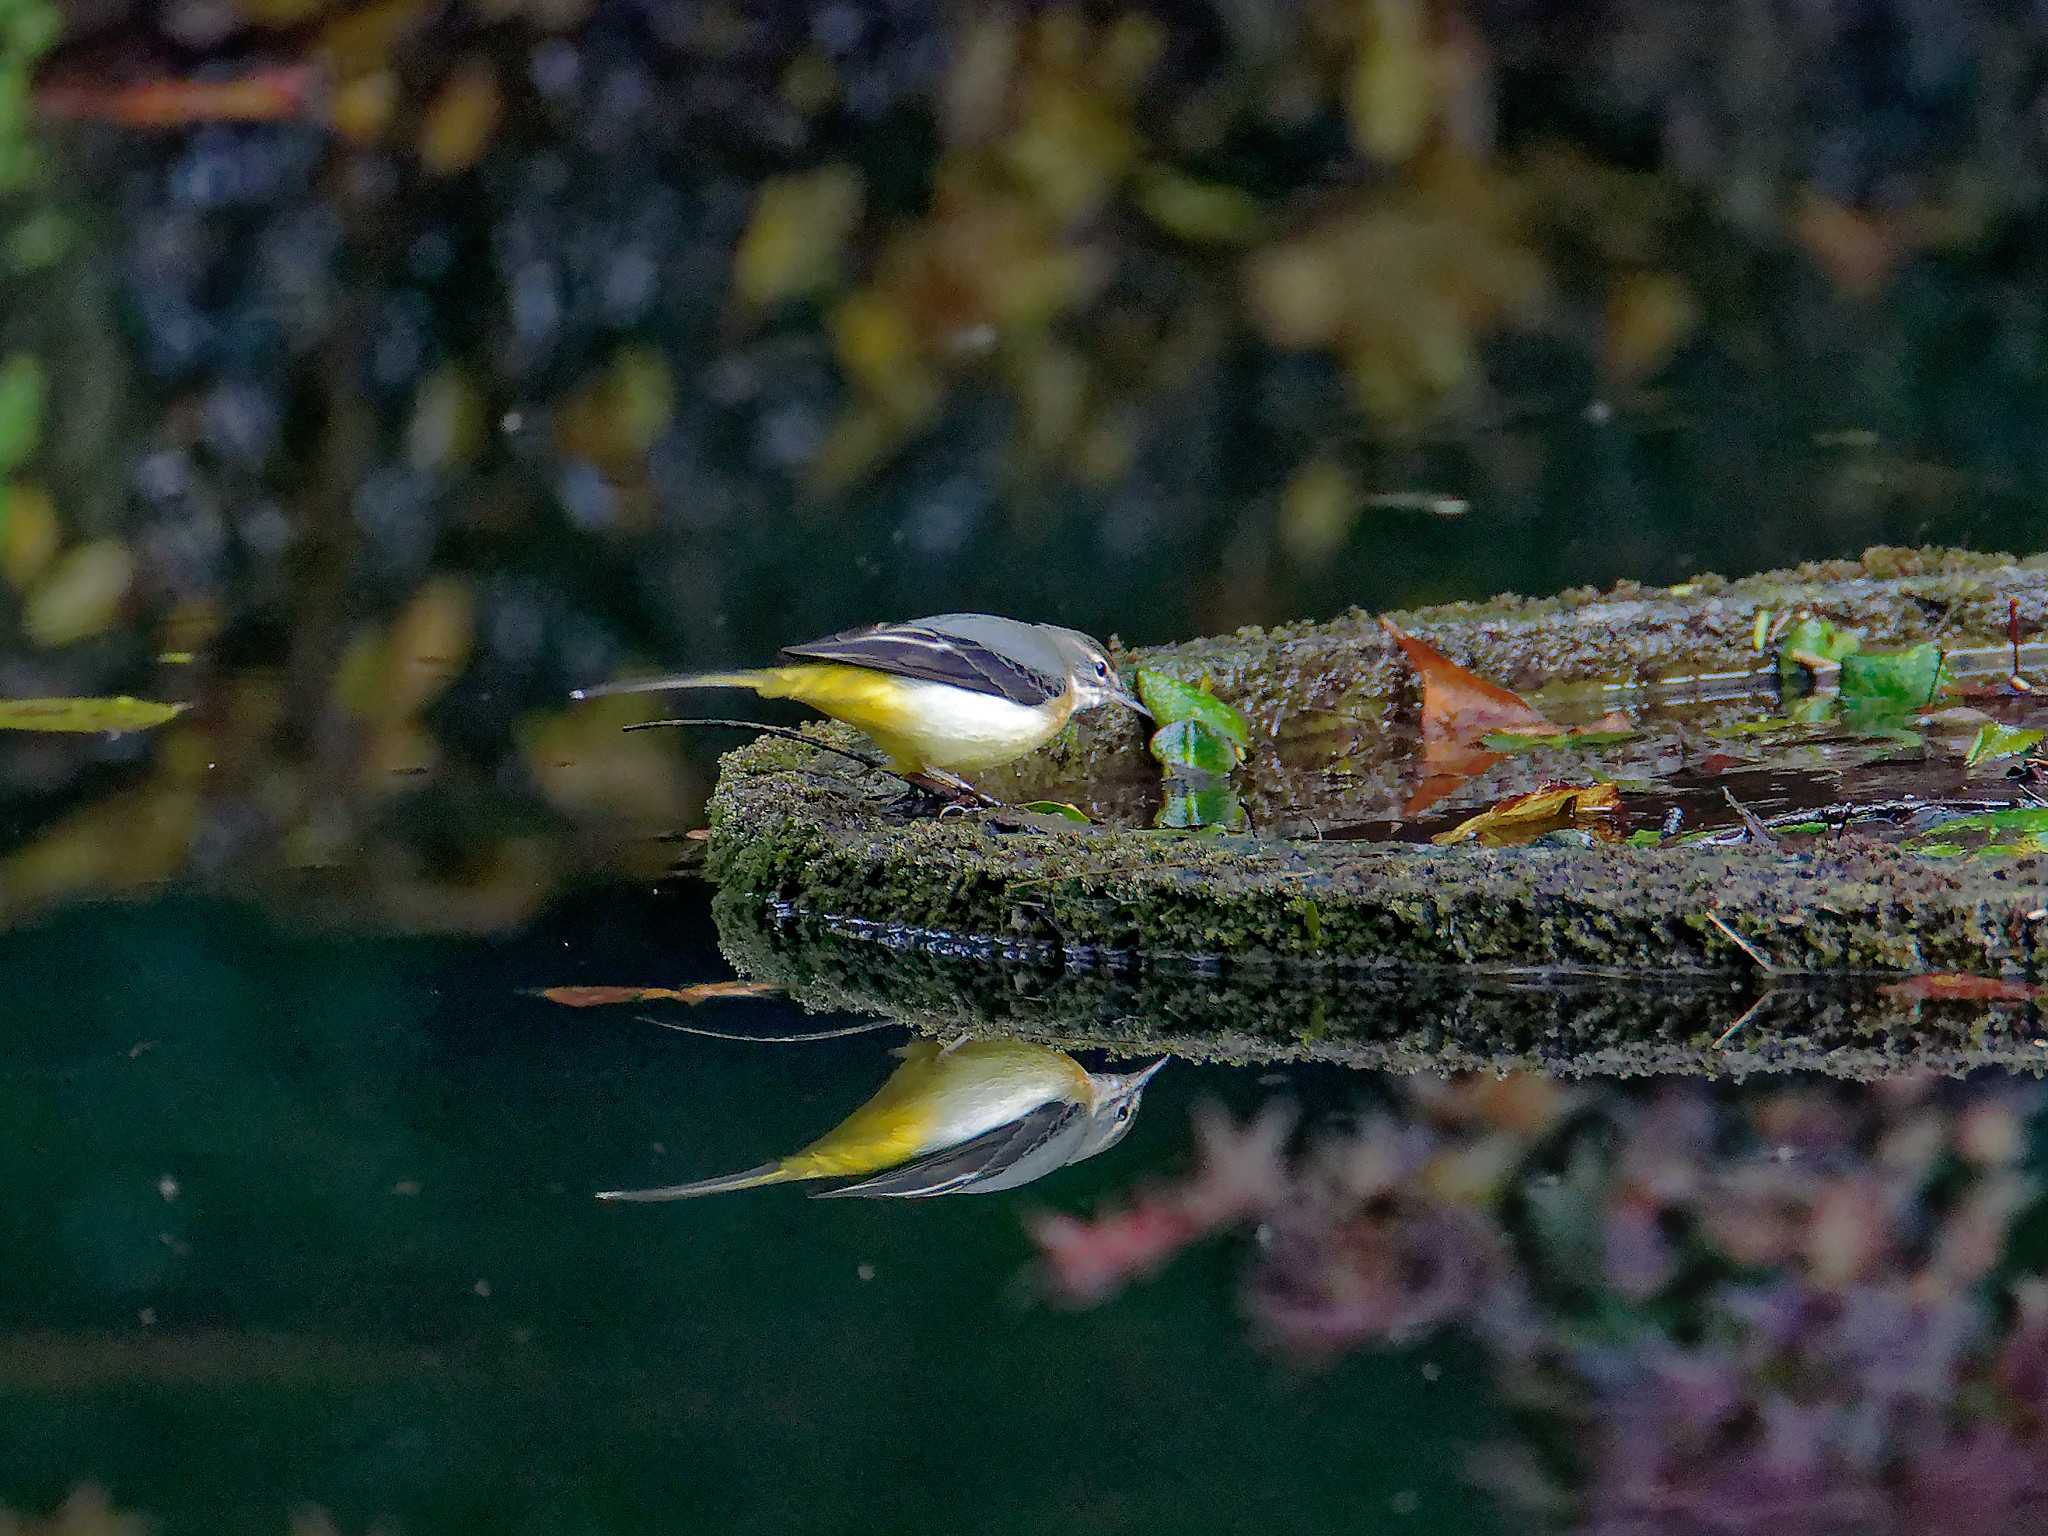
{"points": [[1190, 807], [1952, 986], [21, 409], [1059, 808], [1994, 740], [1813, 645], [1171, 700], [1903, 679], [702, 992], [112, 714], [1195, 745], [1554, 802]]}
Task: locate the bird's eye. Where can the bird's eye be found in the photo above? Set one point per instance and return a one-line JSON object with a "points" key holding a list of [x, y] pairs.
{"points": [[1123, 1111], [1101, 668]]}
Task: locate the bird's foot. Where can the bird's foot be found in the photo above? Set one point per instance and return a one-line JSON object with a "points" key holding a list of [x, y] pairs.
{"points": [[951, 791]]}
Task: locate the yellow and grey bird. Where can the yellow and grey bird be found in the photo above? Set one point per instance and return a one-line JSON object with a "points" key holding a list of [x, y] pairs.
{"points": [[942, 696], [973, 1118]]}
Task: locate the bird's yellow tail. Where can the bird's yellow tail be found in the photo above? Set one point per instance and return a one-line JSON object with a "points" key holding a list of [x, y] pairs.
{"points": [[753, 1178], [763, 681]]}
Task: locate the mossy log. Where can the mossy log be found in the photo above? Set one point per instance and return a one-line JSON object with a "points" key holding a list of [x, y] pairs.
{"points": [[797, 831]]}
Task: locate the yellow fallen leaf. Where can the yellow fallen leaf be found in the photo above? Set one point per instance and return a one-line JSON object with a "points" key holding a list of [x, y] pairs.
{"points": [[1553, 802], [118, 714]]}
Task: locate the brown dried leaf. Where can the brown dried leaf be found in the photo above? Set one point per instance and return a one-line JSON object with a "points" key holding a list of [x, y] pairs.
{"points": [[1956, 987], [702, 992], [1459, 705]]}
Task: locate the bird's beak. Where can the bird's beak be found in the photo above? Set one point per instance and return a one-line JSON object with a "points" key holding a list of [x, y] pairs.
{"points": [[1130, 702], [1140, 1079]]}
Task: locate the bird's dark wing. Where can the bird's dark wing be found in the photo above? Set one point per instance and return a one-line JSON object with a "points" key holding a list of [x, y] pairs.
{"points": [[932, 655], [980, 1161]]}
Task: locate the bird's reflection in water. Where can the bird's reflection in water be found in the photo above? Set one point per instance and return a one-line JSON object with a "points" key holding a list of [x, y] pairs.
{"points": [[971, 1118]]}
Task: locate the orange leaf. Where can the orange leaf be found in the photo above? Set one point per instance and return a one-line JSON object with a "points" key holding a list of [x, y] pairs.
{"points": [[267, 95], [703, 991], [1553, 802], [1954, 986], [1458, 705]]}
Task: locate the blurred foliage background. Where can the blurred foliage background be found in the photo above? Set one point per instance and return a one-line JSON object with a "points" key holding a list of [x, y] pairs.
{"points": [[371, 375]]}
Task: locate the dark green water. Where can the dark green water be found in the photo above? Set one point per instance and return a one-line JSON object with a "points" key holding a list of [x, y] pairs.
{"points": [[380, 1285]]}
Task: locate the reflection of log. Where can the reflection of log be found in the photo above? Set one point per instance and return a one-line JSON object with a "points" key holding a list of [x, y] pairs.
{"points": [[1413, 1019], [796, 827]]}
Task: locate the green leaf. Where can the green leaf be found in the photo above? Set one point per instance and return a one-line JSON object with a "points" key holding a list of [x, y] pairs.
{"points": [[1196, 745], [1059, 808], [1900, 679], [1645, 837], [1518, 741], [1172, 701], [121, 714], [1814, 638], [1995, 741], [1997, 834], [1190, 806], [21, 409]]}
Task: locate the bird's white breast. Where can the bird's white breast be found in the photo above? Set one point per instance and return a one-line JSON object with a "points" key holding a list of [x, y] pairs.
{"points": [[961, 730]]}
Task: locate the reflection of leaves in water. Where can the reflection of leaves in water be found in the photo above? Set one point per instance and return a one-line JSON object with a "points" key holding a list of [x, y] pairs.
{"points": [[1194, 745], [1729, 1310], [1194, 807], [87, 1512]]}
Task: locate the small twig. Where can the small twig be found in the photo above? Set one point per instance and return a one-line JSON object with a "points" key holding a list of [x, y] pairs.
{"points": [[1757, 831], [1748, 1013], [773, 730], [1743, 944], [720, 1034]]}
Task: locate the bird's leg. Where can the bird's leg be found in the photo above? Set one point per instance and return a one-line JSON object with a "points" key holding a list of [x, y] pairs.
{"points": [[949, 787]]}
